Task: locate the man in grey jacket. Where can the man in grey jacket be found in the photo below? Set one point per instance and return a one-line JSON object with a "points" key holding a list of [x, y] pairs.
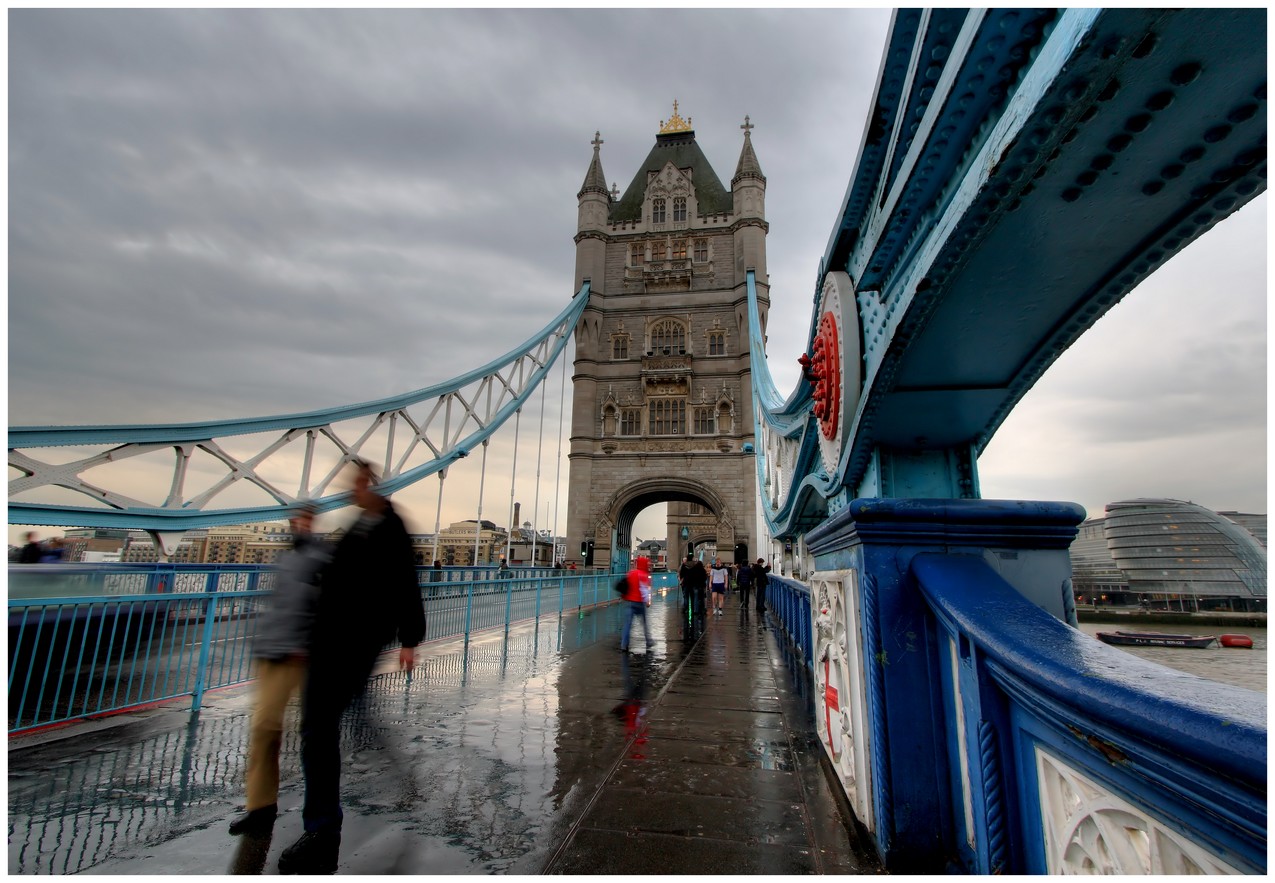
{"points": [[281, 651]]}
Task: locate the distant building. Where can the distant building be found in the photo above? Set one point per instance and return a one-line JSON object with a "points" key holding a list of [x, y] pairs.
{"points": [[656, 550], [1169, 554], [456, 543], [1254, 524]]}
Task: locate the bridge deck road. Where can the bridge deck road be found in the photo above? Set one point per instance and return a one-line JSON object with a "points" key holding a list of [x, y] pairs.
{"points": [[546, 750]]}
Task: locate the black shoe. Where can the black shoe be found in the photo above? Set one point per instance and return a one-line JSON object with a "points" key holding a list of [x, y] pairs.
{"points": [[256, 821], [315, 853]]}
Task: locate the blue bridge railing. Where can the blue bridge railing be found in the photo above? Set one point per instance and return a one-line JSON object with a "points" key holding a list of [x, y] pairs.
{"points": [[91, 640], [789, 600], [1068, 756]]}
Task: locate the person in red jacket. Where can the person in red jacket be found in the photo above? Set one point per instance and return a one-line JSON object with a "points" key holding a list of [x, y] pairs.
{"points": [[636, 599]]}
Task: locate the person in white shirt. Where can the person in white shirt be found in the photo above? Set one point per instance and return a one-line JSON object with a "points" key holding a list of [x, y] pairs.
{"points": [[718, 579]]}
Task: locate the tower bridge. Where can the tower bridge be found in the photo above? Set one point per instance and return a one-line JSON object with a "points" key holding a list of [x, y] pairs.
{"points": [[1020, 172]]}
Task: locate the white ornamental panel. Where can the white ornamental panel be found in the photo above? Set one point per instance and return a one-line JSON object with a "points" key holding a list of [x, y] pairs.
{"points": [[1090, 830], [840, 687]]}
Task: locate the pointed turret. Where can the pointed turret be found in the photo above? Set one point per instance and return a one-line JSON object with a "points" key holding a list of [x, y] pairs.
{"points": [[748, 166], [594, 180], [595, 204], [748, 190]]}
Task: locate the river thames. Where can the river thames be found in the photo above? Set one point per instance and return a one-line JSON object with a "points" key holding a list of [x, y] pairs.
{"points": [[1241, 668]]}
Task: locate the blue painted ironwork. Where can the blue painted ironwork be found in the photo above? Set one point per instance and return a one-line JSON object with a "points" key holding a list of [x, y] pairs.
{"points": [[1186, 752], [89, 640], [789, 601], [446, 420], [1021, 172]]}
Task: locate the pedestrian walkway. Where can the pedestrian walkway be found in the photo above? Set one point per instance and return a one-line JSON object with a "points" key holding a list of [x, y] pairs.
{"points": [[544, 750]]}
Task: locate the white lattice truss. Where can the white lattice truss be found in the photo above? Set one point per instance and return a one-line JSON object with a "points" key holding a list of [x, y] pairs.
{"points": [[1090, 830], [279, 460]]}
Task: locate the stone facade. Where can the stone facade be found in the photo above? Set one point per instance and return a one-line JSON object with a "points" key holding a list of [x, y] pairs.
{"points": [[662, 397]]}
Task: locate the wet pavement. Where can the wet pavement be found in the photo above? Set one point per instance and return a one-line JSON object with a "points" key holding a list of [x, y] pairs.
{"points": [[546, 751]]}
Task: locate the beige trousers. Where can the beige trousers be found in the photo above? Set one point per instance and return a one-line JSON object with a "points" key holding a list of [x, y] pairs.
{"points": [[277, 682]]}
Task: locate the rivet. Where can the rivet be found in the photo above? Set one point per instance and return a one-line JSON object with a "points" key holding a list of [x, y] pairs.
{"points": [[1250, 157], [1216, 134], [1172, 171], [1110, 91], [1071, 194], [1145, 48], [1184, 74], [1151, 188], [1138, 122], [1191, 154], [1089, 114], [1119, 143], [1101, 161], [1224, 204], [1086, 178], [1242, 113], [1160, 100]]}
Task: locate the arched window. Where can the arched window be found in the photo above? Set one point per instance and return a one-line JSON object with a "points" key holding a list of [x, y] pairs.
{"points": [[704, 421], [657, 211], [630, 421], [658, 248], [668, 417], [717, 343], [679, 249], [679, 210], [701, 250], [668, 334], [637, 254], [620, 346]]}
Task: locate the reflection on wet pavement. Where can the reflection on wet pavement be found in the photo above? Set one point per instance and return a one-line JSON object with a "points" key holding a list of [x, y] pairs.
{"points": [[481, 761], [476, 753]]}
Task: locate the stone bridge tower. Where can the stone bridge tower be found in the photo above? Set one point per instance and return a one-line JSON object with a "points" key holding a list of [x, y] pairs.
{"points": [[662, 396]]}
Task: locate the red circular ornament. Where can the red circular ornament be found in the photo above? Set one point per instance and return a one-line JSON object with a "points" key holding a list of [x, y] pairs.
{"points": [[825, 364]]}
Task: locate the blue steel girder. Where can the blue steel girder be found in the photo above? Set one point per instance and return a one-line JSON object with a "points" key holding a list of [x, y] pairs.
{"points": [[1021, 172], [423, 432]]}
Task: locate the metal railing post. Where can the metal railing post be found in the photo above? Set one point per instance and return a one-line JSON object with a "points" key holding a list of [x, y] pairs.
{"points": [[205, 645], [469, 613]]}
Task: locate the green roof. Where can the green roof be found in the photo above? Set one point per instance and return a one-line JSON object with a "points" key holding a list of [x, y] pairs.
{"points": [[680, 149]]}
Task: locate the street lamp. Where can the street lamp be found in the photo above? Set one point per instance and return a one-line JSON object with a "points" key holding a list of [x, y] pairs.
{"points": [[686, 533]]}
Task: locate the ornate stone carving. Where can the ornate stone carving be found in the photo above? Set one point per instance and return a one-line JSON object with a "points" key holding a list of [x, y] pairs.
{"points": [[840, 694], [1091, 830]]}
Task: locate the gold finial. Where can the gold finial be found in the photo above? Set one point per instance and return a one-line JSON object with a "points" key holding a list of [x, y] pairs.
{"points": [[675, 123]]}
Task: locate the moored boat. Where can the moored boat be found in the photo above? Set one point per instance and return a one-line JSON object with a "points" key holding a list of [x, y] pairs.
{"points": [[1155, 639], [1236, 641]]}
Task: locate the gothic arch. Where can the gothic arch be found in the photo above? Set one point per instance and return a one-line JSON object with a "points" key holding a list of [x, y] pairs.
{"points": [[628, 502]]}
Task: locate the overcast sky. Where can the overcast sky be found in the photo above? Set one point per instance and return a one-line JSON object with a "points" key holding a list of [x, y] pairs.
{"points": [[217, 214]]}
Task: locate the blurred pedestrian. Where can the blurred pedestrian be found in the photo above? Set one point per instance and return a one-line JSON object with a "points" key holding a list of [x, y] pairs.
{"points": [[367, 594], [53, 551], [280, 648], [31, 551], [637, 597]]}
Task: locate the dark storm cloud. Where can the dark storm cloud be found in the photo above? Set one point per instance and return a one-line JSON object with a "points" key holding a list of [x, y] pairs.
{"points": [[228, 213]]}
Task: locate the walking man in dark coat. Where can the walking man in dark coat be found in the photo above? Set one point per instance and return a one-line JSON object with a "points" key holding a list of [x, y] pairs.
{"points": [[760, 579], [368, 593]]}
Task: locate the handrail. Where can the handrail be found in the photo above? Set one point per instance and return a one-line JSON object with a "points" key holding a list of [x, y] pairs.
{"points": [[1045, 705], [80, 649]]}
